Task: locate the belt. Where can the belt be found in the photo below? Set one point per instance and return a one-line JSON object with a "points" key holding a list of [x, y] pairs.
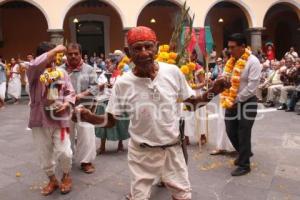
{"points": [[145, 145]]}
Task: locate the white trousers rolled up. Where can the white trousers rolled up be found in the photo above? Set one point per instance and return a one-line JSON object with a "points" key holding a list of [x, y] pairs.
{"points": [[2, 90], [52, 149], [85, 146], [148, 164]]}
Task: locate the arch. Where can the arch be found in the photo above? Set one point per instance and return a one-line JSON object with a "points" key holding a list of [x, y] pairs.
{"points": [[179, 3], [242, 5], [109, 2], [287, 15], [291, 3], [35, 4]]}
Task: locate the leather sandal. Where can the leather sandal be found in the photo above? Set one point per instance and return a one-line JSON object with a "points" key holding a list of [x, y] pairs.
{"points": [[88, 168], [203, 139], [218, 152], [50, 188], [66, 184]]}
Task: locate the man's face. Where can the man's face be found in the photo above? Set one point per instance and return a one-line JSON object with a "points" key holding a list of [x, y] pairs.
{"points": [[291, 49], [289, 63], [29, 58], [234, 49], [143, 53], [219, 62], [73, 56]]}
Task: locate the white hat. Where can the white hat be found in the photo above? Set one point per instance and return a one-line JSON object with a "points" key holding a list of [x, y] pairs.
{"points": [[118, 52]]}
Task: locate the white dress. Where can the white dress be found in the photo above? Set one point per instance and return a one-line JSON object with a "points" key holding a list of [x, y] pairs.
{"points": [[217, 130], [14, 83]]}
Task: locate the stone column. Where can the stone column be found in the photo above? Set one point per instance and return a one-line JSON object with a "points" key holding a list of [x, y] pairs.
{"points": [[256, 39], [125, 31], [56, 36]]}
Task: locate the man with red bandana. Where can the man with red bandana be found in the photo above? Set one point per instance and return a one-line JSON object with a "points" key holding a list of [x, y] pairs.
{"points": [[149, 94]]}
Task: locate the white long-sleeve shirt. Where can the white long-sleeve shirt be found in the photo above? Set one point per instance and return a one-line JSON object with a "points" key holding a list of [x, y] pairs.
{"points": [[250, 79]]}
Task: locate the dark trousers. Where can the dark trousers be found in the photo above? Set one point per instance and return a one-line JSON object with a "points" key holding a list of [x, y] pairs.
{"points": [[239, 122]]}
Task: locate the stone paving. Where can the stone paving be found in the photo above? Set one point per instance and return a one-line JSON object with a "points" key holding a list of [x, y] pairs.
{"points": [[275, 170]]}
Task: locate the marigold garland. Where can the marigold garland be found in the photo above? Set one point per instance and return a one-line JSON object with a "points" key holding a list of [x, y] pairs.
{"points": [[166, 56], [51, 75], [233, 70]]}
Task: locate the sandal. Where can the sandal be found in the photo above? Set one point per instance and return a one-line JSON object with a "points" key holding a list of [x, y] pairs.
{"points": [[87, 168], [66, 184], [50, 188], [218, 152], [203, 139]]}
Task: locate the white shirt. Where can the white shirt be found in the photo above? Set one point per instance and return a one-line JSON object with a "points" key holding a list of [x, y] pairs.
{"points": [[107, 91], [250, 79], [151, 104]]}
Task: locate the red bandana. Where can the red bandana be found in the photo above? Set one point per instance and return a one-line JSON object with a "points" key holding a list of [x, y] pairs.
{"points": [[70, 68], [140, 33]]}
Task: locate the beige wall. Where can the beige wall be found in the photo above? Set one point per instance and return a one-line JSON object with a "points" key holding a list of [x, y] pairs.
{"points": [[129, 10], [124, 14]]}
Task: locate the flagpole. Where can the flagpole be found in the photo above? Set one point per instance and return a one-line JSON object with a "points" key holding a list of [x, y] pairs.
{"points": [[206, 111]]}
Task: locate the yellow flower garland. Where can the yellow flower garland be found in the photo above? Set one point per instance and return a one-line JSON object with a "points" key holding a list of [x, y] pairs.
{"points": [[167, 56], [51, 75], [233, 70]]}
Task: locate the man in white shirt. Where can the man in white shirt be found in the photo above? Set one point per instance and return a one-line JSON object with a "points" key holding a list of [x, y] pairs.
{"points": [[150, 94], [292, 54], [240, 118]]}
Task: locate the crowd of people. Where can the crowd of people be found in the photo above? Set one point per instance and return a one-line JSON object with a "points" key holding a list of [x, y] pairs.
{"points": [[280, 79], [114, 103]]}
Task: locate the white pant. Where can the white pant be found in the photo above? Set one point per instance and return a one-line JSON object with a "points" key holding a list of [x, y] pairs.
{"points": [[2, 90], [146, 165], [273, 91], [194, 122], [52, 149], [85, 147], [284, 93]]}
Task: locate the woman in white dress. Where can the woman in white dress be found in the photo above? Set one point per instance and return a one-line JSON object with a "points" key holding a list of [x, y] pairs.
{"points": [[14, 82], [195, 122], [221, 140], [219, 137]]}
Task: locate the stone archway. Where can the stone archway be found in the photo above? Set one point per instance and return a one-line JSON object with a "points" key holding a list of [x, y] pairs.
{"points": [[20, 35], [96, 25], [161, 17], [226, 18], [282, 28]]}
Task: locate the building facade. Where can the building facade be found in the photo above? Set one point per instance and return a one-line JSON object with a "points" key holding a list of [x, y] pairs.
{"points": [[101, 25]]}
